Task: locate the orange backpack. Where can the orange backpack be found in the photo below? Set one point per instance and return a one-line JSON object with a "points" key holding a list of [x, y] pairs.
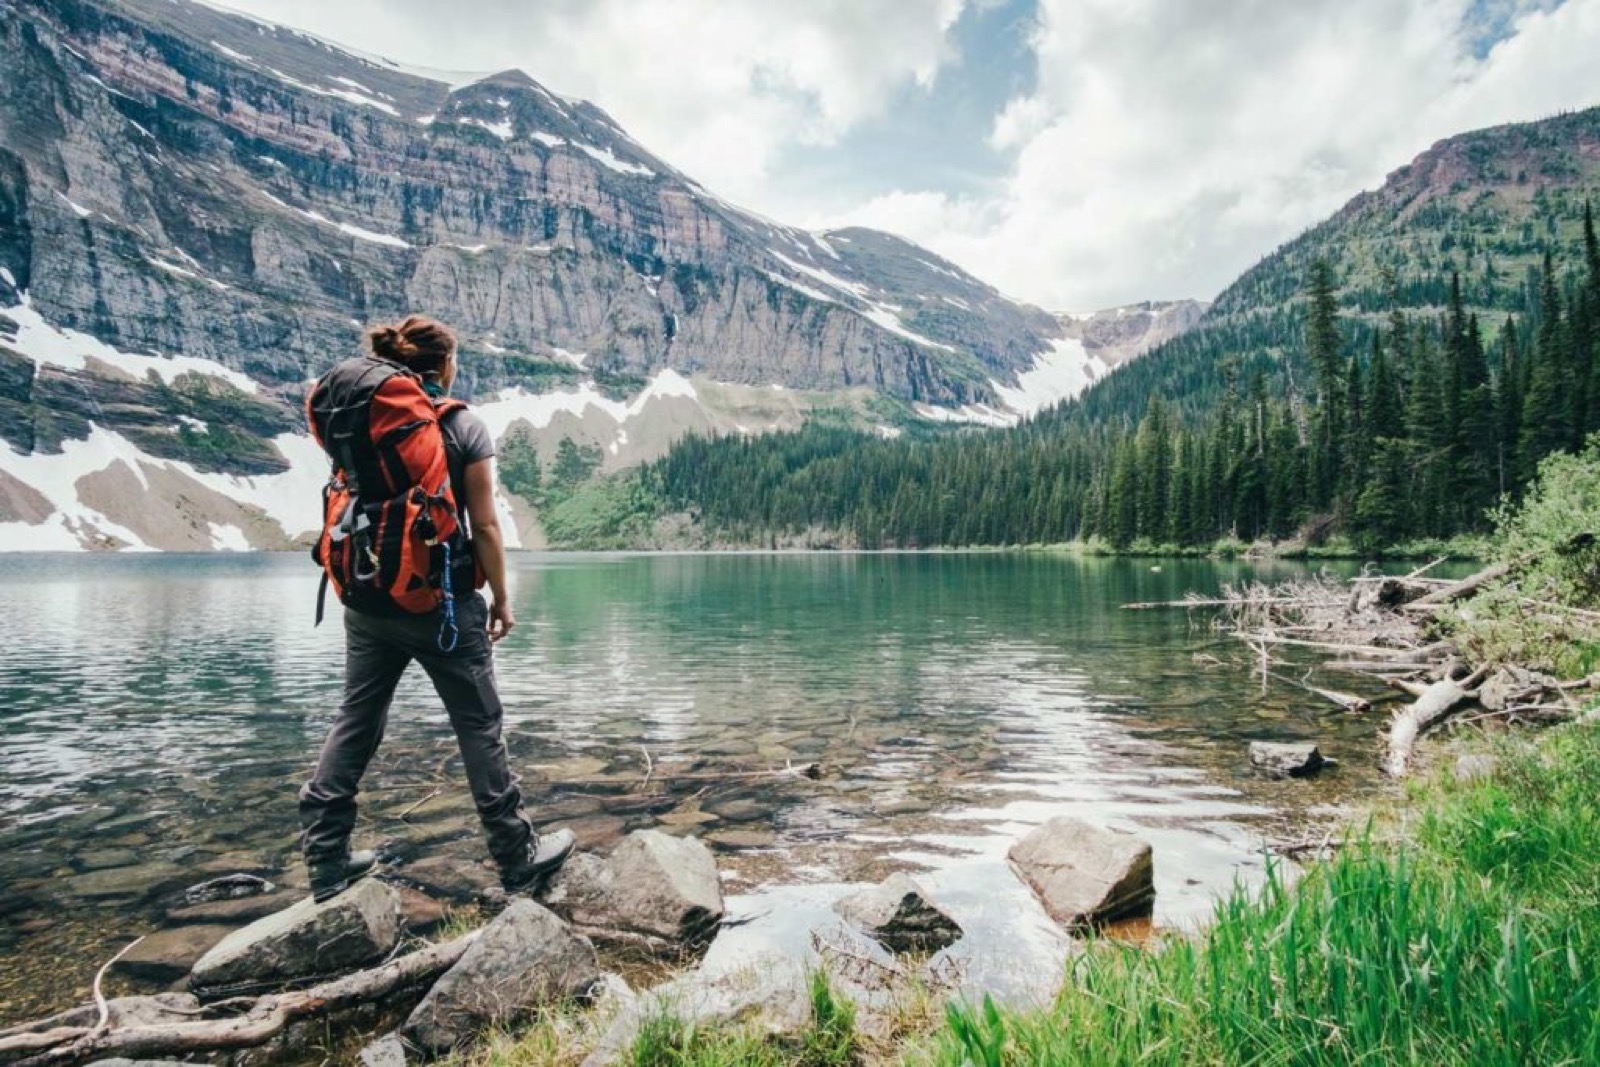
{"points": [[392, 542]]}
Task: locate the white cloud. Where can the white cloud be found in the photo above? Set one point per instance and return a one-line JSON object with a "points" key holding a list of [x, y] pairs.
{"points": [[716, 87], [1166, 146], [1169, 144]]}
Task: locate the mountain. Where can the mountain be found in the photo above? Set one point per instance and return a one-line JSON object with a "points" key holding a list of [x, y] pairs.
{"points": [[1387, 376], [1483, 205], [199, 211]]}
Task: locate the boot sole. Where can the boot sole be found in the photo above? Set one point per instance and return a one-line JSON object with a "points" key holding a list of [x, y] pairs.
{"points": [[536, 878], [322, 896]]}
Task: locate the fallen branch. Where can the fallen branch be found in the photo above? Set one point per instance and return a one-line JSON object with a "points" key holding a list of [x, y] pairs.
{"points": [[1326, 646], [1216, 602], [1433, 705], [1349, 702], [1467, 586], [436, 791], [267, 1018], [99, 992]]}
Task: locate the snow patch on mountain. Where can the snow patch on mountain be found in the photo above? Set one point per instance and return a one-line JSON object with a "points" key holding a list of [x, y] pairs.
{"points": [[540, 409], [504, 129], [1059, 374], [71, 523], [881, 314], [50, 345], [606, 158], [356, 231], [977, 414]]}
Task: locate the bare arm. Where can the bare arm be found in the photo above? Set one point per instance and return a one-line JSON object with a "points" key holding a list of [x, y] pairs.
{"points": [[488, 544]]}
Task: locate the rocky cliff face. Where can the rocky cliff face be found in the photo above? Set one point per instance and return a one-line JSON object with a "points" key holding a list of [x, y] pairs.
{"points": [[199, 212], [185, 180]]}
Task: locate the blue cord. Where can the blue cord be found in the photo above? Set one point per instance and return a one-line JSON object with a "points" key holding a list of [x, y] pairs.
{"points": [[449, 625]]}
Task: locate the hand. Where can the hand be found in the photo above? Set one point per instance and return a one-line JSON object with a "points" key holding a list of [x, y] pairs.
{"points": [[501, 620]]}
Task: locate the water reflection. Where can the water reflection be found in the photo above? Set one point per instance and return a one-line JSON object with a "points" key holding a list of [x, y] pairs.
{"points": [[157, 712]]}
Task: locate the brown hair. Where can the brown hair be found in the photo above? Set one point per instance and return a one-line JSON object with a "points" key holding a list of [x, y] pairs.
{"points": [[421, 343]]}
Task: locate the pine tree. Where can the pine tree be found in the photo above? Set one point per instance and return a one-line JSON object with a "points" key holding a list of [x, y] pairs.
{"points": [[1322, 351], [1545, 412]]}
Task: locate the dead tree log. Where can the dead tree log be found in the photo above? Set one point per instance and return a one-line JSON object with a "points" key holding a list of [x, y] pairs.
{"points": [[1466, 587], [258, 1024], [1433, 705]]}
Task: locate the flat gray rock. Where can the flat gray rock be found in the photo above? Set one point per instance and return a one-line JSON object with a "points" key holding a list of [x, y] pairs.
{"points": [[236, 911], [654, 890], [1286, 760], [1084, 874], [168, 955], [899, 915], [306, 940], [524, 959]]}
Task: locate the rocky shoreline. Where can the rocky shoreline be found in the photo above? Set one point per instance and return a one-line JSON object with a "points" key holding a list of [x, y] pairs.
{"points": [[275, 989]]}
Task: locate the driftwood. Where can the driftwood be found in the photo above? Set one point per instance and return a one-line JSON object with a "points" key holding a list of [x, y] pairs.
{"points": [[1466, 587], [1326, 646], [1348, 701], [1433, 705], [1212, 602], [266, 1018]]}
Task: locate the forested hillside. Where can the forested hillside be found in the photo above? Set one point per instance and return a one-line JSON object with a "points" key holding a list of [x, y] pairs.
{"points": [[1389, 375]]}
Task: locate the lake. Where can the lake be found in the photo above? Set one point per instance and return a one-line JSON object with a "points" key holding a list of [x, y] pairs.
{"points": [[157, 714]]}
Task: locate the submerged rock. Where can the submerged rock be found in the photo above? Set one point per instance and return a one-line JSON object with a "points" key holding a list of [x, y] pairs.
{"points": [[306, 940], [654, 890], [1281, 760], [1084, 874], [524, 959], [455, 878], [167, 955], [235, 911], [899, 916], [228, 887]]}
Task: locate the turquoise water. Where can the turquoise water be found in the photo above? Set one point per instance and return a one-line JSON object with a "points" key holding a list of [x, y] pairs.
{"points": [[158, 712]]}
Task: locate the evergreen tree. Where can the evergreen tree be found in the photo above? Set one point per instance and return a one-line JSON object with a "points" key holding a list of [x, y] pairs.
{"points": [[1545, 411]]}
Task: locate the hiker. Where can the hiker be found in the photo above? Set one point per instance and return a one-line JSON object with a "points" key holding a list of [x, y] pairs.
{"points": [[409, 535]]}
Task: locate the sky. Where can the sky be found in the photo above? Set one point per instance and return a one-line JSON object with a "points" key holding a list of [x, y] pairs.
{"points": [[1077, 154]]}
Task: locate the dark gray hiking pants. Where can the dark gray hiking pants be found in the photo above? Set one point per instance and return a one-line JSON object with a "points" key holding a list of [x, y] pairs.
{"points": [[377, 652]]}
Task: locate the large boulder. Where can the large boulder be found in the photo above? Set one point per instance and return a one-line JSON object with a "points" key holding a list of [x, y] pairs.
{"points": [[654, 890], [898, 915], [1084, 874], [305, 941], [1286, 760], [524, 959]]}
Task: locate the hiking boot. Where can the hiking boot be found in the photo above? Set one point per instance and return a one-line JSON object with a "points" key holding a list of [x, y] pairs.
{"points": [[329, 878], [545, 855]]}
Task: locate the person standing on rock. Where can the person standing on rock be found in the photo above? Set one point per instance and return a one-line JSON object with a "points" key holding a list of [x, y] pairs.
{"points": [[412, 476]]}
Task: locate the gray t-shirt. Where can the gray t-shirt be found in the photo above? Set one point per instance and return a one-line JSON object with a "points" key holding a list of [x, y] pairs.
{"points": [[466, 441]]}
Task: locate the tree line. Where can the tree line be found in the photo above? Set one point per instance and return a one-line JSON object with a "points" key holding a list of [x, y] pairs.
{"points": [[1406, 425]]}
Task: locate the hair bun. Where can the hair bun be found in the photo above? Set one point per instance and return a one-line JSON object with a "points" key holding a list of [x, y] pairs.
{"points": [[419, 342]]}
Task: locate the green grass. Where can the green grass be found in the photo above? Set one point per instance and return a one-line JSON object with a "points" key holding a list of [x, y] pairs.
{"points": [[1475, 943], [829, 1041]]}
